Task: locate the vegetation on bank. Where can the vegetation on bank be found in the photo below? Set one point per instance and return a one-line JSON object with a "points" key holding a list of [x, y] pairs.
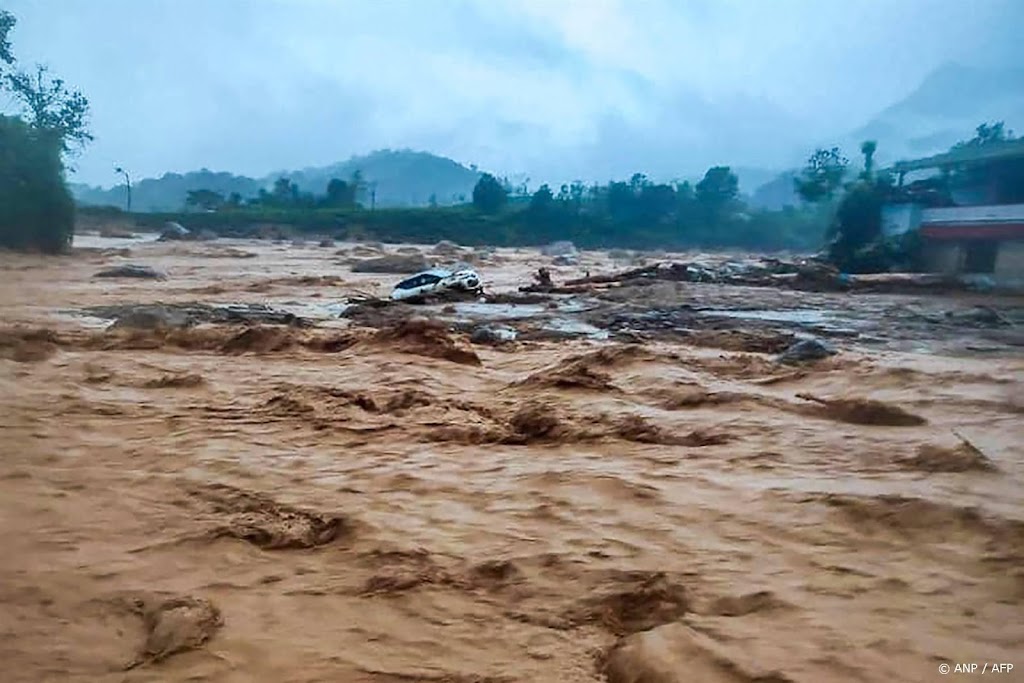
{"points": [[36, 208], [633, 214]]}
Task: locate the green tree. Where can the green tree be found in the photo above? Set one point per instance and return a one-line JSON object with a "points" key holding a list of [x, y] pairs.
{"points": [[822, 176], [489, 195], [868, 148], [7, 22], [48, 104], [340, 195], [717, 192], [204, 200], [542, 199], [284, 193], [36, 209]]}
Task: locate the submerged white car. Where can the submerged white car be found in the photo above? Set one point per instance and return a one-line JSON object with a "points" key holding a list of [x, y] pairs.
{"points": [[436, 282]]}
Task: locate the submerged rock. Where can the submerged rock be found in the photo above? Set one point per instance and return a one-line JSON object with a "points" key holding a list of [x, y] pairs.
{"points": [[493, 334], [806, 350], [132, 270]]}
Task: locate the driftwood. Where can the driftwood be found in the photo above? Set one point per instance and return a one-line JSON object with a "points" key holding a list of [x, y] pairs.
{"points": [[552, 289], [645, 271]]}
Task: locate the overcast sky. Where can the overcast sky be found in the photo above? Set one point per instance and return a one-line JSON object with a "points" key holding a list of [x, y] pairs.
{"points": [[569, 88]]}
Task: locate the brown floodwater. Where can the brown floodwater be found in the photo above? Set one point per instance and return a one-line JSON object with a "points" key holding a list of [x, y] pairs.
{"points": [[340, 503]]}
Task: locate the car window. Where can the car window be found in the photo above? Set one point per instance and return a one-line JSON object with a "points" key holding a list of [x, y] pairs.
{"points": [[418, 281]]}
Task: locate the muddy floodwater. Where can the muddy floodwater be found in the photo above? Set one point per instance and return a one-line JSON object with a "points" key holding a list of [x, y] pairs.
{"points": [[286, 483]]}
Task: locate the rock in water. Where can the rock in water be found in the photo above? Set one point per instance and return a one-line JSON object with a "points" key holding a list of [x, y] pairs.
{"points": [[131, 270], [806, 350], [493, 334], [566, 260]]}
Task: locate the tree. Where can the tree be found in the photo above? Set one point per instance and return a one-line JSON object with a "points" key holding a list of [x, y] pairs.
{"points": [[867, 148], [36, 209], [204, 200], [49, 105], [822, 175], [716, 193], [7, 22], [489, 195], [542, 199], [340, 195], [284, 192]]}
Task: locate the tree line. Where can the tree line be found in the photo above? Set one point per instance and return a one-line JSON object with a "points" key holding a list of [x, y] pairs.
{"points": [[643, 213], [285, 194]]}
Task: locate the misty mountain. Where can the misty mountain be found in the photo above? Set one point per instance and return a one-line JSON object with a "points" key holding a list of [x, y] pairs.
{"points": [[166, 193], [943, 110], [401, 178]]}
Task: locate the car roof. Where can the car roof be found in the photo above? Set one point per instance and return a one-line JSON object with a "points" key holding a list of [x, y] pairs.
{"points": [[440, 272]]}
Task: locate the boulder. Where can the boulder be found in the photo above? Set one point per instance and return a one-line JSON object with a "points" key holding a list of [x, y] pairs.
{"points": [[805, 351], [326, 244], [132, 270], [493, 334], [566, 260]]}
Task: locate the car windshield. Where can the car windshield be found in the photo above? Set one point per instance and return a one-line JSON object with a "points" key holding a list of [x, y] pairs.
{"points": [[418, 281]]}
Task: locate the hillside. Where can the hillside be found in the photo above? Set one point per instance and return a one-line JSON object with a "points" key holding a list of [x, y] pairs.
{"points": [[945, 108], [168, 192], [401, 178]]}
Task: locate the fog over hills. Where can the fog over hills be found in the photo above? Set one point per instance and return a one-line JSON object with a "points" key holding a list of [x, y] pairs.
{"points": [[943, 109]]}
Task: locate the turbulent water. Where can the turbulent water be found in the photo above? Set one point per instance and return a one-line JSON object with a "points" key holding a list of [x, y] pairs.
{"points": [[379, 504]]}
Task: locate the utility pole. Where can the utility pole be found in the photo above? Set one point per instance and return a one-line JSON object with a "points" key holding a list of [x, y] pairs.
{"points": [[128, 184], [373, 195]]}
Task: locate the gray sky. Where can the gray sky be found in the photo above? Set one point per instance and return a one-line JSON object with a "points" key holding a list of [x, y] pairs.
{"points": [[553, 88]]}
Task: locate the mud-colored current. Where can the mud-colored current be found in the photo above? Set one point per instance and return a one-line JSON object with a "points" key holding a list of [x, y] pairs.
{"points": [[386, 502]]}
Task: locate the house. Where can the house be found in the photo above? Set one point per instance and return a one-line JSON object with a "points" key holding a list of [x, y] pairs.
{"points": [[971, 215]]}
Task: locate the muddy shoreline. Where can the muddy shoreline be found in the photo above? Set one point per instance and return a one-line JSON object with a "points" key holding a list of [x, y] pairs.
{"points": [[252, 476]]}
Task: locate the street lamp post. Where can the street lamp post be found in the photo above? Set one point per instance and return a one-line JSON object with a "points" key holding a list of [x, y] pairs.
{"points": [[128, 184]]}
